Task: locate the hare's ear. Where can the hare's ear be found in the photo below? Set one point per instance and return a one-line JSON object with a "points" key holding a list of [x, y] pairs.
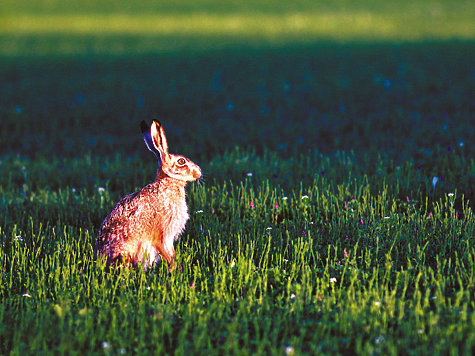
{"points": [[159, 140], [147, 137]]}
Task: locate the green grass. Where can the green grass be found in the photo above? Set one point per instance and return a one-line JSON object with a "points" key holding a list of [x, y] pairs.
{"points": [[35, 27], [317, 229]]}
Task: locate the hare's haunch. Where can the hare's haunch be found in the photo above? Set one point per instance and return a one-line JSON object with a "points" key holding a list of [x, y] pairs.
{"points": [[142, 226]]}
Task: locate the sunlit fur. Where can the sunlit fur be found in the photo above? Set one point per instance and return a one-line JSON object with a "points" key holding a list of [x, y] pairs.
{"points": [[143, 226]]}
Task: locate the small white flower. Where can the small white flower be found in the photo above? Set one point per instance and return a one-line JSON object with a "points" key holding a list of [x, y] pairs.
{"points": [[147, 287], [18, 238], [285, 260], [304, 196], [106, 345], [289, 350], [249, 174], [377, 304], [333, 280], [379, 339], [450, 194], [434, 182], [311, 223], [101, 190], [420, 331], [284, 198], [268, 228], [199, 212], [122, 351], [74, 190], [26, 295], [292, 296], [461, 144], [387, 217], [232, 264]]}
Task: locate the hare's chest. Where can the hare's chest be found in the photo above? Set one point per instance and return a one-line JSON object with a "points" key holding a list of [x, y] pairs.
{"points": [[177, 216]]}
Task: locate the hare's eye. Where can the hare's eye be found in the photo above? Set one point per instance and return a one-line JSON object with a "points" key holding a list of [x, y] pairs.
{"points": [[181, 161]]}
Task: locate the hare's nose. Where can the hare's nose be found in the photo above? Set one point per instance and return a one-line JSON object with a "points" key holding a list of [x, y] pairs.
{"points": [[197, 173]]}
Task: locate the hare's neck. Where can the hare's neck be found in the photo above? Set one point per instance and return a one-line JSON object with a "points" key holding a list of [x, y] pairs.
{"points": [[165, 181]]}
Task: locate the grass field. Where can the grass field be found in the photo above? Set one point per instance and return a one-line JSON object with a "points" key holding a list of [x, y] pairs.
{"points": [[336, 138]]}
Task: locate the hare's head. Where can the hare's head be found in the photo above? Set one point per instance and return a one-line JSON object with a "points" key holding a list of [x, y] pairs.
{"points": [[175, 166]]}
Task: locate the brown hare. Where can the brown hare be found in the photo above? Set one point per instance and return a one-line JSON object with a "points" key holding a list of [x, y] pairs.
{"points": [[142, 227]]}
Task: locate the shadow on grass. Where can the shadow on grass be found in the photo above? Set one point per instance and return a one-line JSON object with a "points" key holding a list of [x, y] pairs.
{"points": [[397, 98]]}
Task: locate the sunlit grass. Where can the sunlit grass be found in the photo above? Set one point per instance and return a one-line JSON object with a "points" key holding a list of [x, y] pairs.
{"points": [[168, 31]]}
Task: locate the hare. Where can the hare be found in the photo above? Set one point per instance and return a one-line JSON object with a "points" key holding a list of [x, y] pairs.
{"points": [[142, 227]]}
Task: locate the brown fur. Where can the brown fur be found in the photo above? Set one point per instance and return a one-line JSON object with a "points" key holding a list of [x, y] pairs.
{"points": [[143, 226]]}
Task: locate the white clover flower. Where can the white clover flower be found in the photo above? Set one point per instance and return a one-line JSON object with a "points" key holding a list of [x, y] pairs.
{"points": [[304, 196], [284, 198], [333, 280], [450, 194], [101, 189], [289, 350]]}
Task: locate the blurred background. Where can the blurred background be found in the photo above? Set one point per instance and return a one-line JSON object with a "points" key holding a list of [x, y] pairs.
{"points": [[77, 77]]}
